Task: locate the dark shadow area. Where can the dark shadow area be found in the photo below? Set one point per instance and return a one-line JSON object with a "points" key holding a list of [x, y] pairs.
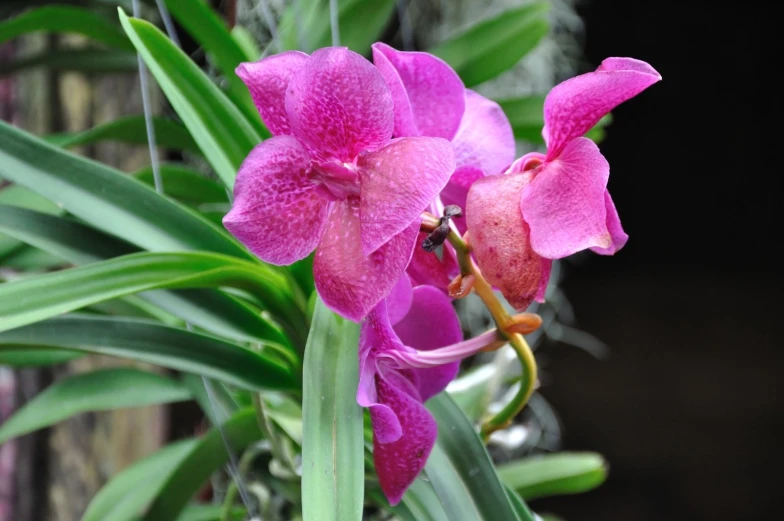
{"points": [[688, 406]]}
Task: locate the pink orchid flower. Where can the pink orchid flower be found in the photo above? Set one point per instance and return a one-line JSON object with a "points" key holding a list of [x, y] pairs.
{"points": [[404, 432], [549, 206], [431, 100], [332, 178]]}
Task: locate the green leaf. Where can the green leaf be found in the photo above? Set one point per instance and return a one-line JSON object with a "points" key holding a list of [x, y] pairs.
{"points": [[37, 298], [519, 506], [65, 19], [89, 61], [225, 52], [247, 42], [526, 115], [102, 390], [132, 130], [108, 199], [125, 495], [461, 471], [495, 45], [184, 480], [554, 474], [77, 243], [26, 258], [154, 343], [361, 23], [419, 503], [16, 195], [35, 357], [332, 445], [223, 134], [209, 513], [184, 184]]}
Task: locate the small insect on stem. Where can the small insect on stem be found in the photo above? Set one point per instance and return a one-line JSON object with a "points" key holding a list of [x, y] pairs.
{"points": [[439, 235]]}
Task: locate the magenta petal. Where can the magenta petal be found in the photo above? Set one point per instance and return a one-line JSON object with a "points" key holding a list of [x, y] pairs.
{"points": [[428, 94], [276, 212], [547, 267], [619, 237], [399, 300], [339, 105], [456, 191], [565, 205], [499, 238], [267, 80], [399, 463], [427, 268], [431, 323], [574, 106], [351, 283], [485, 139], [397, 183]]}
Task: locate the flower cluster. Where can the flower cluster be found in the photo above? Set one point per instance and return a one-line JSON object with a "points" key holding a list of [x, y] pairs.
{"points": [[361, 152]]}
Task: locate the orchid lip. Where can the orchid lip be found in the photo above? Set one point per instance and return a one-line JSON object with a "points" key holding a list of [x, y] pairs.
{"points": [[336, 181], [413, 358]]}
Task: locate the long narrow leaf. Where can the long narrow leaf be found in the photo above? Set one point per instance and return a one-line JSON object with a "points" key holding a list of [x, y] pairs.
{"points": [[34, 356], [151, 342], [555, 474], [102, 390], [184, 480], [461, 471], [108, 199], [37, 298], [132, 130], [207, 28], [332, 445], [65, 19], [184, 184], [80, 244], [125, 495], [495, 44], [219, 128], [89, 61]]}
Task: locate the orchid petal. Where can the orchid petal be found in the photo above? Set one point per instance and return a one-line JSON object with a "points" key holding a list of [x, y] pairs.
{"points": [[619, 237], [399, 300], [267, 80], [397, 183], [499, 238], [428, 94], [485, 139], [456, 191], [339, 105], [565, 204], [431, 323], [576, 105], [398, 463], [427, 268], [349, 282], [277, 213]]}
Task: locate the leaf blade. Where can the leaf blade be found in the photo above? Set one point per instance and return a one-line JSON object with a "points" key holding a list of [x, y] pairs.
{"points": [[333, 439], [152, 342], [103, 390], [555, 474]]}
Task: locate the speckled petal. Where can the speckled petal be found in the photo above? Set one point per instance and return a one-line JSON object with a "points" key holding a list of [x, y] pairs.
{"points": [[499, 238], [267, 80], [397, 183], [277, 213], [349, 282], [339, 105]]}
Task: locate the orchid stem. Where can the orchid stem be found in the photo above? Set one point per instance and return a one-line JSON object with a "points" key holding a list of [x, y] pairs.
{"points": [[502, 320]]}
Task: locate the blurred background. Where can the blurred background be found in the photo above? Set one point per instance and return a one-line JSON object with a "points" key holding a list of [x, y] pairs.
{"points": [[679, 386]]}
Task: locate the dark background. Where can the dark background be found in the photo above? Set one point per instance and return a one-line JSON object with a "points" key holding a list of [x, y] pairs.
{"points": [[688, 406]]}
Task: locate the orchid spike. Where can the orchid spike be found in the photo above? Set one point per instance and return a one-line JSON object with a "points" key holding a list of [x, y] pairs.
{"points": [[332, 178], [404, 432], [549, 206], [431, 100]]}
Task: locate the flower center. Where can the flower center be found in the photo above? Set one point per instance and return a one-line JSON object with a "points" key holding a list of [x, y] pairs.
{"points": [[336, 181]]}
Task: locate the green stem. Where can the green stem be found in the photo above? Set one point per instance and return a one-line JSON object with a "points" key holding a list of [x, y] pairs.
{"points": [[502, 319]]}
